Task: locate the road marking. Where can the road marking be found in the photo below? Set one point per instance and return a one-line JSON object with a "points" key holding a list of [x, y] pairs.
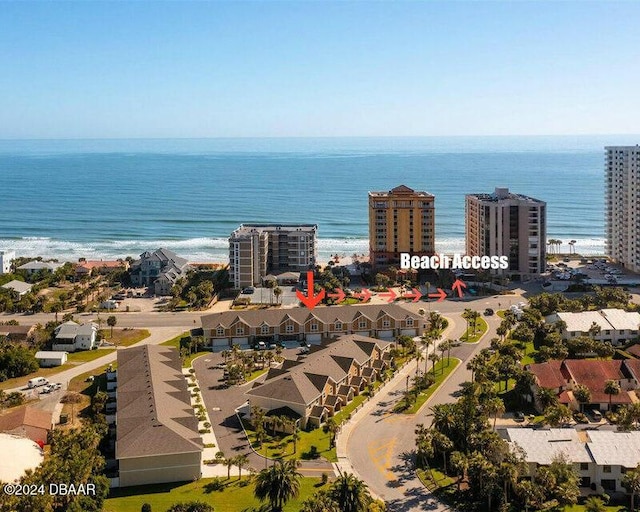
{"points": [[380, 454]]}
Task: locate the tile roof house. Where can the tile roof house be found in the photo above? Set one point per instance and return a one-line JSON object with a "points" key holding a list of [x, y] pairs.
{"points": [[564, 376], [244, 328], [318, 386], [601, 457], [157, 437], [70, 336], [160, 269], [28, 422], [89, 267]]}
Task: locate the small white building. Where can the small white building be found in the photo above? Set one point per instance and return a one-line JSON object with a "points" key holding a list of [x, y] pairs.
{"points": [[616, 325], [36, 266], [70, 337], [50, 358], [6, 258]]}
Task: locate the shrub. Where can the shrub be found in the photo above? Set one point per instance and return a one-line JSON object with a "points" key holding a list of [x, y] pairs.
{"points": [[204, 431], [324, 479]]}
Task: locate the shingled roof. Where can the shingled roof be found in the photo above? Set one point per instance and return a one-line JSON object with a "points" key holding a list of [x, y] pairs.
{"points": [[304, 382], [274, 317], [154, 415]]}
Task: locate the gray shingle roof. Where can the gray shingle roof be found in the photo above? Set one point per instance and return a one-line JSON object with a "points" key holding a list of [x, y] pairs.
{"points": [[154, 415], [17, 286]]}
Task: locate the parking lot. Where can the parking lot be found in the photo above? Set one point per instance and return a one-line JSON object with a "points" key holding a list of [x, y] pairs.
{"points": [[260, 295], [594, 271]]}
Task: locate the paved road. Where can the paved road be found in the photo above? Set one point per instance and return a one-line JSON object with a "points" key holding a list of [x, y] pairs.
{"points": [[380, 446]]}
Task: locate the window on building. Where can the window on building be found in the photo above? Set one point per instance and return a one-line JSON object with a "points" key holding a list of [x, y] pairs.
{"points": [[584, 466], [606, 469], [220, 331], [386, 323], [314, 327], [240, 330], [410, 322], [362, 324], [265, 329], [289, 328], [338, 326]]}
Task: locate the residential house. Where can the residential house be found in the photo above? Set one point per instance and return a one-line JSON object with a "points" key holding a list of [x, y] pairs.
{"points": [[36, 266], [245, 328], [563, 376], [159, 269], [614, 326], [17, 333], [27, 421], [18, 288], [71, 336], [601, 457], [315, 388], [90, 267], [157, 439]]}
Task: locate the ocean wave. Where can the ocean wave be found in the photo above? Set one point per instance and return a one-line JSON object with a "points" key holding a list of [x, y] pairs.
{"points": [[216, 249]]}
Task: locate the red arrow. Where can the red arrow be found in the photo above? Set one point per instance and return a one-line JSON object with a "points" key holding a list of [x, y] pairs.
{"points": [[415, 295], [458, 286], [391, 294], [340, 296], [365, 295], [310, 300], [441, 294]]}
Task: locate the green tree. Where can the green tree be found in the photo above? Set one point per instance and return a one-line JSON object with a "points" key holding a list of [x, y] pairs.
{"points": [[111, 322], [320, 502], [351, 493], [594, 504], [242, 461], [278, 484], [191, 506], [277, 292], [582, 395], [611, 387], [631, 482], [146, 507], [331, 427], [546, 398]]}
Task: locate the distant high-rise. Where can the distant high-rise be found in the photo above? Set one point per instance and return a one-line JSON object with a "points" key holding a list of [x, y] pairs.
{"points": [[507, 224], [255, 249], [622, 205], [6, 258], [401, 220]]}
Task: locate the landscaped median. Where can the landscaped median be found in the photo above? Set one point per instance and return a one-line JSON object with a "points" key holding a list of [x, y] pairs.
{"points": [[443, 369], [474, 333]]}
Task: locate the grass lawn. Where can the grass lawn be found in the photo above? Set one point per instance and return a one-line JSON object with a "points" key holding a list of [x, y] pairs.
{"points": [[481, 327], [175, 342], [42, 372], [501, 313], [186, 363], [85, 356], [440, 376], [125, 337], [529, 352], [256, 373], [236, 495]]}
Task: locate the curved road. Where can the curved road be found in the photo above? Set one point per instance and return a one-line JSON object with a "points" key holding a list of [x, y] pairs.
{"points": [[379, 445]]}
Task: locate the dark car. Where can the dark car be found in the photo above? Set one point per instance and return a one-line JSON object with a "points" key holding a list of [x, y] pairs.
{"points": [[248, 291], [518, 416], [488, 312]]}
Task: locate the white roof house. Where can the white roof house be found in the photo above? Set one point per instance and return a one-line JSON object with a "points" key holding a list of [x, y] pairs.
{"points": [[616, 325], [542, 446], [613, 448], [20, 287], [18, 455], [51, 357], [622, 320], [580, 322]]}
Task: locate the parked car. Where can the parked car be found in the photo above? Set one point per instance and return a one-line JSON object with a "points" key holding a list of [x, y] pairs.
{"points": [[518, 416], [304, 350], [262, 345], [37, 382], [273, 346], [488, 312], [56, 386], [249, 290], [456, 343], [46, 389]]}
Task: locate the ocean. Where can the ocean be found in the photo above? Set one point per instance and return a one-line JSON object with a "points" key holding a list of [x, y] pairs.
{"points": [[114, 198]]}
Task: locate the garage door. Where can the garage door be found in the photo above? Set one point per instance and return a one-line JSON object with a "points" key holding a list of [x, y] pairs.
{"points": [[363, 333], [408, 332], [314, 338], [385, 334], [240, 341]]}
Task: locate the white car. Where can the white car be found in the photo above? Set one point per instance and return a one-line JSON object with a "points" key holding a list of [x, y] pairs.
{"points": [[46, 389], [56, 386]]}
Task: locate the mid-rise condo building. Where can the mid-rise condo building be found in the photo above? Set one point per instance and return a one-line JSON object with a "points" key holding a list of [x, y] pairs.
{"points": [[6, 258], [400, 220], [622, 205], [256, 249], [507, 224]]}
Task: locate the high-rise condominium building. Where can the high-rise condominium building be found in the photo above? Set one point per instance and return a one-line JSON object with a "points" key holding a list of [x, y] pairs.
{"points": [[401, 220], [6, 258], [622, 205], [256, 249], [507, 224]]}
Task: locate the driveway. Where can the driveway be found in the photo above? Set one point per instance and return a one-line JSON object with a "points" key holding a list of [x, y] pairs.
{"points": [[380, 445], [228, 430]]}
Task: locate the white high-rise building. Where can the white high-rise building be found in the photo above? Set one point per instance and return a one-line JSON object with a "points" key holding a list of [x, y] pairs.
{"points": [[508, 224], [622, 205], [6, 257]]}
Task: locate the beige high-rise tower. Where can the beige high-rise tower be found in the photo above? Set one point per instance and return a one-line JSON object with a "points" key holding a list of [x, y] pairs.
{"points": [[400, 220], [622, 205], [507, 224]]}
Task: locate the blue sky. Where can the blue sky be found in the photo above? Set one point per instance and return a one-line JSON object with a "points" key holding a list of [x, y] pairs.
{"points": [[244, 69]]}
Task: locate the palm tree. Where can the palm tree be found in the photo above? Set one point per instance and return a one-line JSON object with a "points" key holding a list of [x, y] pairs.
{"points": [[441, 444], [229, 463], [277, 291], [278, 484], [351, 493], [434, 358], [631, 482], [459, 464], [320, 502], [241, 461], [611, 387], [331, 427], [582, 395], [419, 357], [494, 406], [546, 397], [270, 284], [111, 322], [426, 340], [594, 504], [295, 437]]}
